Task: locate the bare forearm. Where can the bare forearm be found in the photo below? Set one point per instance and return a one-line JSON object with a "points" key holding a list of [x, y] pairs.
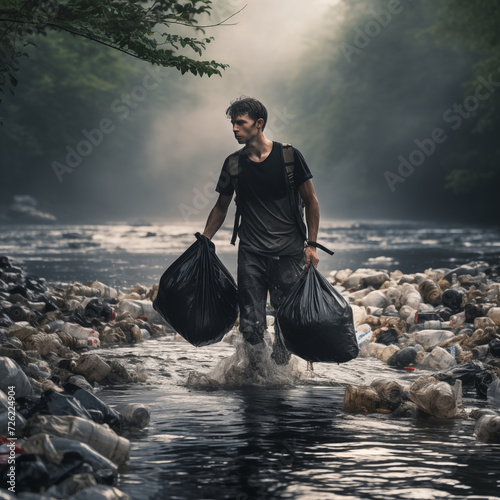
{"points": [[214, 222], [312, 219]]}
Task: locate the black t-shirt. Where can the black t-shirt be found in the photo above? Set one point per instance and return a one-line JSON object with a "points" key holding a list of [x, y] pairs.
{"points": [[267, 222]]}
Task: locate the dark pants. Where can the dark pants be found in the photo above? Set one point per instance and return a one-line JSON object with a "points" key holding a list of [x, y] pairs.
{"points": [[257, 275]]}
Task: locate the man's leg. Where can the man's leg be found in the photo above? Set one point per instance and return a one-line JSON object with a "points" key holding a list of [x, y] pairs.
{"points": [[252, 295], [283, 276]]}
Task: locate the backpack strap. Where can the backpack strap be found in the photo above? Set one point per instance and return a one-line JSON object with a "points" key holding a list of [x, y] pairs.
{"points": [[234, 167], [295, 200]]}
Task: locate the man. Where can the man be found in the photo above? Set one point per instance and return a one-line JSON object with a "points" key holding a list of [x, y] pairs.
{"points": [[271, 251]]}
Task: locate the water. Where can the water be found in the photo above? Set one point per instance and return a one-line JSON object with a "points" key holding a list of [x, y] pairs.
{"points": [[220, 431], [121, 254], [277, 439]]}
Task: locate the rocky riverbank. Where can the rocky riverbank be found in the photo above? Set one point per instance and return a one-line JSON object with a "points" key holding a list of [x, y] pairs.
{"points": [[442, 322]]}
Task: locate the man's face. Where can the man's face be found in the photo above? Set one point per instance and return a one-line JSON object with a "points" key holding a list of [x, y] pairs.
{"points": [[244, 128]]}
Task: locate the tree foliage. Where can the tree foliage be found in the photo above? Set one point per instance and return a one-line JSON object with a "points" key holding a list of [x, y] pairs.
{"points": [[473, 166], [369, 88], [158, 31]]}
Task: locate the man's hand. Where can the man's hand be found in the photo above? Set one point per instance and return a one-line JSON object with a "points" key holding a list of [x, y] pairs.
{"points": [[311, 256]]}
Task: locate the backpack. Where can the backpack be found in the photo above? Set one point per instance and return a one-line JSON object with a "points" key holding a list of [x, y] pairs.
{"points": [[296, 201]]}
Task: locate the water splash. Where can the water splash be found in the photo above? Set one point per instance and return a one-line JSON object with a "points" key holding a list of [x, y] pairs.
{"points": [[249, 366]]}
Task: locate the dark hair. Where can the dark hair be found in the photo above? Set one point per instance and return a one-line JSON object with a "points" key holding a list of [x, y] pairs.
{"points": [[253, 107]]}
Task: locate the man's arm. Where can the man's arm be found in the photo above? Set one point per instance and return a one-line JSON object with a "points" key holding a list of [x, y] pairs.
{"points": [[217, 215], [306, 190]]}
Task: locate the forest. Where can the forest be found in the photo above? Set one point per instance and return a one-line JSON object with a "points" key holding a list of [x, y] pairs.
{"points": [[394, 104]]}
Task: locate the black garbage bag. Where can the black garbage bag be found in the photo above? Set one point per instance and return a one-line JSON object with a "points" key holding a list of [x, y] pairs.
{"points": [[403, 358], [495, 347], [316, 322], [466, 372], [30, 474], [197, 295], [388, 337], [58, 403], [92, 403], [452, 298], [482, 381], [98, 309]]}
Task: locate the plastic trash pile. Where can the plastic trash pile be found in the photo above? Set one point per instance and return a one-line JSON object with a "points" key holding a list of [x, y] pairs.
{"points": [[68, 443], [442, 320]]}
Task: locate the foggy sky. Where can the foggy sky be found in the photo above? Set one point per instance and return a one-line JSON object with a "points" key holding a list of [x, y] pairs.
{"points": [[164, 164]]}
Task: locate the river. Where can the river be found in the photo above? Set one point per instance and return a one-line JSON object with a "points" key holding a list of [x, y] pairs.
{"points": [[218, 431]]}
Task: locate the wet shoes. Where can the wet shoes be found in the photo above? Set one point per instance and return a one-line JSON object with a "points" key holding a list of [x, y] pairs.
{"points": [[256, 354]]}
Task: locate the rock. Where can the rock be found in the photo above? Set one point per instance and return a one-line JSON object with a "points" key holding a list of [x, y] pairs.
{"points": [[388, 352], [374, 299], [375, 280]]}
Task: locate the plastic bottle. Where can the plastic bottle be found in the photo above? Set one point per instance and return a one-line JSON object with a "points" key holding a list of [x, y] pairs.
{"points": [[375, 299], [138, 308], [374, 311], [436, 398], [74, 305], [45, 342], [431, 338], [36, 306], [440, 359], [363, 334], [457, 319], [360, 399], [430, 292], [78, 331], [487, 428], [388, 390], [105, 291], [483, 322], [93, 342], [99, 437], [92, 367], [422, 317], [54, 325], [373, 349], [19, 313], [82, 290], [145, 334], [410, 296], [53, 449], [135, 414], [480, 351]]}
